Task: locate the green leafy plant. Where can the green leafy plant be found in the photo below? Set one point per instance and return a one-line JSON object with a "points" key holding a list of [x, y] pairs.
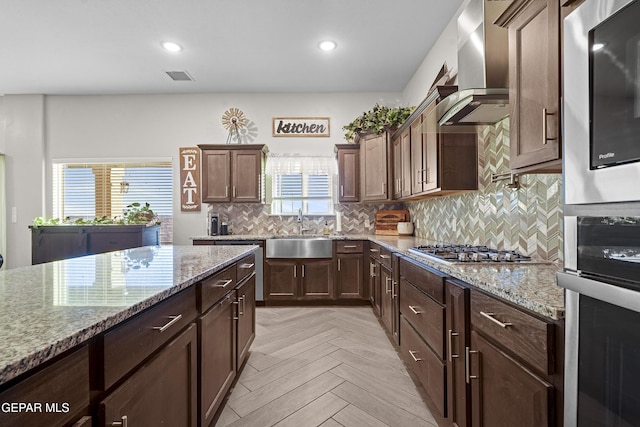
{"points": [[135, 213], [376, 120]]}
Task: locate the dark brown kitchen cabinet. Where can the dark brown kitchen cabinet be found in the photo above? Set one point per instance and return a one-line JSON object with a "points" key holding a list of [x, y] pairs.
{"points": [[232, 174], [53, 243], [161, 392], [458, 334], [396, 148], [350, 270], [422, 323], [246, 308], [534, 85], [375, 167], [511, 362], [402, 164], [386, 297], [217, 348], [61, 390], [308, 279], [348, 172]]}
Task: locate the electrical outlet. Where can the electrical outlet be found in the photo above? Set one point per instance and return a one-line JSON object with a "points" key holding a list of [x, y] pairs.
{"points": [[454, 224], [367, 223]]}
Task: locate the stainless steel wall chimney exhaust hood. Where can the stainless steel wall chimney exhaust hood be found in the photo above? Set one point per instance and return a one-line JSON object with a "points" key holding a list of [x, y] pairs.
{"points": [[483, 68]]}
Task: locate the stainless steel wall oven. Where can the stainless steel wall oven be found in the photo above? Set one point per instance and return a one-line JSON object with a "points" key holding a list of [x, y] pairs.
{"points": [[601, 120]]}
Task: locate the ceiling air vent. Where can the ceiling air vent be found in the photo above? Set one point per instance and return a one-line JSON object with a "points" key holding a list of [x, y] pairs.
{"points": [[180, 76]]}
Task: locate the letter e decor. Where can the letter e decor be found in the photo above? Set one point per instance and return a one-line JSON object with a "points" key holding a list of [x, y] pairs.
{"points": [[189, 179], [301, 126]]}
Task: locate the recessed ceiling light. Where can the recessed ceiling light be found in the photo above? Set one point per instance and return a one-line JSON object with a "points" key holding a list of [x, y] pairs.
{"points": [[171, 46], [597, 46], [327, 45]]}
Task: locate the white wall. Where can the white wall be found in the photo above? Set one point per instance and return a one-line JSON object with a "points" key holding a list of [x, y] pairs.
{"points": [[42, 128]]}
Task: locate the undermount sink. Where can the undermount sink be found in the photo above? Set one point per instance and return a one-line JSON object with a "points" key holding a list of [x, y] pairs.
{"points": [[299, 247]]}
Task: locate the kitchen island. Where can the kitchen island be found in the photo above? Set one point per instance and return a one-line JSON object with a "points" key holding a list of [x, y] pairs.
{"points": [[73, 310]]}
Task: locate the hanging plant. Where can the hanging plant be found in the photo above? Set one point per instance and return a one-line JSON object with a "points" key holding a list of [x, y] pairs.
{"points": [[377, 120]]}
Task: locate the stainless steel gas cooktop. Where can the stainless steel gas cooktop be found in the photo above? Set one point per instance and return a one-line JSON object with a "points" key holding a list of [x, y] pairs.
{"points": [[469, 253]]}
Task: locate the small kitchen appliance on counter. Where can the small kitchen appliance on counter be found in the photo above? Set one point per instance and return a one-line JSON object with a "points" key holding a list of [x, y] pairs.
{"points": [[214, 224]]}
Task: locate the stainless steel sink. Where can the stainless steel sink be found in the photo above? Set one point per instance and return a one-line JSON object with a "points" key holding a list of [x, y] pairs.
{"points": [[299, 247]]}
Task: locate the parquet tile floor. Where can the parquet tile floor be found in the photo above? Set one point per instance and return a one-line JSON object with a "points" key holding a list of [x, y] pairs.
{"points": [[323, 366]]}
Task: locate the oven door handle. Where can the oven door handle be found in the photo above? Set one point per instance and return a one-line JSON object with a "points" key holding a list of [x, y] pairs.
{"points": [[606, 292]]}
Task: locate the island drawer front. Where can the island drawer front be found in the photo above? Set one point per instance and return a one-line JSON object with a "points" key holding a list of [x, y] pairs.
{"points": [[374, 250], [245, 267], [424, 314], [61, 390], [349, 247], [385, 257], [423, 278], [214, 288], [128, 344], [429, 369], [519, 333], [107, 242]]}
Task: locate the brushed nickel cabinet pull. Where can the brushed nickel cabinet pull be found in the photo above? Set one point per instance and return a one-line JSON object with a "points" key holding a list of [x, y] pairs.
{"points": [[226, 191], [385, 256], [467, 365], [387, 282], [372, 270], [247, 265], [172, 321], [412, 308], [225, 284], [451, 355], [413, 355], [338, 264], [234, 191], [349, 246], [241, 311], [122, 423], [374, 250], [295, 271], [302, 270], [545, 138], [341, 190], [494, 320]]}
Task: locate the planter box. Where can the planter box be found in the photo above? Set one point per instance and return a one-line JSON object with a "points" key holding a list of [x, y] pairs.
{"points": [[56, 242]]}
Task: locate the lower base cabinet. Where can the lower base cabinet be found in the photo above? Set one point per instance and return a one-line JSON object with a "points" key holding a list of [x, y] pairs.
{"points": [[246, 330], [161, 392], [309, 279]]}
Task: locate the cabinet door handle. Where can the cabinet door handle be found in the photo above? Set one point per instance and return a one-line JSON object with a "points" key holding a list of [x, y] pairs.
{"points": [[386, 285], [545, 138], [295, 271], [247, 265], [241, 311], [341, 190], [385, 256], [374, 250], [496, 321], [338, 264], [467, 365], [451, 355], [171, 322], [302, 270], [122, 423], [226, 191], [225, 284], [413, 355], [412, 308], [234, 191], [394, 284], [372, 270], [349, 246], [419, 176]]}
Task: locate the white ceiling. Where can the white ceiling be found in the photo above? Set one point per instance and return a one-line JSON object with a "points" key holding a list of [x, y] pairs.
{"points": [[113, 46]]}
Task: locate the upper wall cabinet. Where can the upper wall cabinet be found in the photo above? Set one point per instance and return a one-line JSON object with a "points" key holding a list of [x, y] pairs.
{"points": [[376, 168], [232, 173], [534, 84], [348, 172]]}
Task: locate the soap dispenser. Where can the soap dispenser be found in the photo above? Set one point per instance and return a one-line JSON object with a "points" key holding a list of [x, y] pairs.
{"points": [[326, 228]]}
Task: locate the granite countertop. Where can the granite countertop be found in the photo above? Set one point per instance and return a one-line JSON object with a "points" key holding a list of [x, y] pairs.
{"points": [[49, 308], [532, 286]]}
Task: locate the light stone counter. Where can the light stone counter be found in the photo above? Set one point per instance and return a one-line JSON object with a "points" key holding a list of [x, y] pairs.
{"points": [[532, 286], [49, 308]]}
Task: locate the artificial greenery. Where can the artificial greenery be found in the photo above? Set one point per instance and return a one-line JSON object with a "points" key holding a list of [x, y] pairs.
{"points": [[134, 214], [377, 120]]}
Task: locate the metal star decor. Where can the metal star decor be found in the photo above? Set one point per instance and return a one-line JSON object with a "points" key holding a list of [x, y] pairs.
{"points": [[233, 119]]}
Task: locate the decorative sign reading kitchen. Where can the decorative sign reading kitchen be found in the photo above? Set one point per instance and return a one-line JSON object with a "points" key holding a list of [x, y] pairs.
{"points": [[301, 126], [189, 179]]}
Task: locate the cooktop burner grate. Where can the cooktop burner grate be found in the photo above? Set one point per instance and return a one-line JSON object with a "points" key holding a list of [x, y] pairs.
{"points": [[469, 253]]}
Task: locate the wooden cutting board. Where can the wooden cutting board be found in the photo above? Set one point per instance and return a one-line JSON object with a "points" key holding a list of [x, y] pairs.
{"points": [[387, 221]]}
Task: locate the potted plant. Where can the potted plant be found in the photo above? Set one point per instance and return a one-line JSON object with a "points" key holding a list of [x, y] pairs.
{"points": [[376, 120], [136, 213]]}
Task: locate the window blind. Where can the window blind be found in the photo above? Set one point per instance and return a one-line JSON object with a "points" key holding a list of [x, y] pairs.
{"points": [[90, 190]]}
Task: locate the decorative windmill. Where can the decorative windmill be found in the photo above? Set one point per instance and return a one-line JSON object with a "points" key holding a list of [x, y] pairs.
{"points": [[233, 119]]}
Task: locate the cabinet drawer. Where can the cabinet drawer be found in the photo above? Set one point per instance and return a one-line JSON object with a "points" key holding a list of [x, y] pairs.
{"points": [[212, 289], [525, 336], [129, 344], [349, 247], [61, 386], [245, 267], [106, 242], [374, 250], [385, 257], [426, 316], [427, 280], [429, 369]]}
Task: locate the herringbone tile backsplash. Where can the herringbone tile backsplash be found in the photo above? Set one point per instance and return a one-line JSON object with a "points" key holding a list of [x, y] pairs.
{"points": [[528, 219]]}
